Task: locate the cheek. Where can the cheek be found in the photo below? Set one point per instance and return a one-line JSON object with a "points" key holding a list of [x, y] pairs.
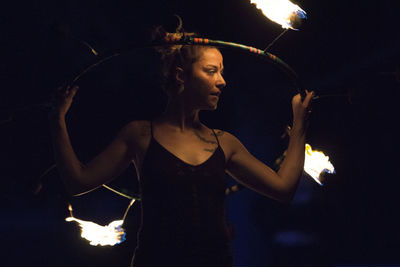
{"points": [[201, 85], [205, 89]]}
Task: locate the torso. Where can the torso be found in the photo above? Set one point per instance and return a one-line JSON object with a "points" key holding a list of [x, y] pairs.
{"points": [[182, 185], [192, 146]]}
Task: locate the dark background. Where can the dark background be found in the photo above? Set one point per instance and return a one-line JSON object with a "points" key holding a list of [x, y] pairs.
{"points": [[347, 50]]}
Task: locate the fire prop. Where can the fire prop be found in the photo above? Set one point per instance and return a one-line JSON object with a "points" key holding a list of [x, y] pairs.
{"points": [[317, 163], [108, 235], [282, 12]]}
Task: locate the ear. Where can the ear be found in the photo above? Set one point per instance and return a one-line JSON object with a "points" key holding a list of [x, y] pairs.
{"points": [[179, 75]]}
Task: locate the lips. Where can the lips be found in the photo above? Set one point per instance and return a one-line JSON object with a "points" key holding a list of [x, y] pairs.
{"points": [[215, 93]]}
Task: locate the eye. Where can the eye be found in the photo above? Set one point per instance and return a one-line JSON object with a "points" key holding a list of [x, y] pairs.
{"points": [[211, 71]]}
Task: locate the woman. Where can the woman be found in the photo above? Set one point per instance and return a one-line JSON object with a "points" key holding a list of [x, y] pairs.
{"points": [[181, 163]]}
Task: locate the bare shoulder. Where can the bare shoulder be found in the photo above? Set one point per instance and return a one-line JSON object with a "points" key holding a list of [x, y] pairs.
{"points": [[225, 136], [136, 134], [139, 128], [229, 143]]}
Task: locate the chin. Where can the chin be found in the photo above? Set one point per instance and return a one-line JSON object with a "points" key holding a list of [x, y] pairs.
{"points": [[209, 108], [214, 107], [209, 105]]}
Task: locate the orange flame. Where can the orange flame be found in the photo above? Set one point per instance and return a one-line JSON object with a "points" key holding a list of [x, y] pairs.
{"points": [[108, 235], [316, 163], [282, 12]]}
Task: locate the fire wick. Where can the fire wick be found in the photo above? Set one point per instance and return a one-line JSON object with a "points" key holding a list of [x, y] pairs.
{"points": [[70, 210], [126, 211], [94, 52], [276, 39]]}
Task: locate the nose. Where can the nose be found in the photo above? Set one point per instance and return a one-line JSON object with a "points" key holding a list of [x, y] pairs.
{"points": [[221, 82]]}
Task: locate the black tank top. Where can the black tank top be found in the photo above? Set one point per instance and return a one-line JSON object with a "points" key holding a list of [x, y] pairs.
{"points": [[183, 211]]}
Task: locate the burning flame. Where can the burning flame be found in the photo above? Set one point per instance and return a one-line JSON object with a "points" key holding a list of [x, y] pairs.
{"points": [[316, 163], [107, 235], [282, 12]]}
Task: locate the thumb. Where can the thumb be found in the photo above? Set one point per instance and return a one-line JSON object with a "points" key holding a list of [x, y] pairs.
{"points": [[74, 90]]}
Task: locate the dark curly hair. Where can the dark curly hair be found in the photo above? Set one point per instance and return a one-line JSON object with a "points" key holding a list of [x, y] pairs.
{"points": [[176, 56]]}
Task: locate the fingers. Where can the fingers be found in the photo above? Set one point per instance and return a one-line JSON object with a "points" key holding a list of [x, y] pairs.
{"points": [[302, 108], [309, 96], [296, 99], [64, 96], [74, 90], [308, 99], [67, 91]]}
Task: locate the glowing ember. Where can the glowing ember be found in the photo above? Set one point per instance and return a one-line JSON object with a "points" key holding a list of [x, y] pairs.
{"points": [[316, 163], [107, 235], [282, 12]]}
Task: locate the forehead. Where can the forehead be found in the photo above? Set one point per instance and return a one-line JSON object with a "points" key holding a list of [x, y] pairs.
{"points": [[211, 56]]}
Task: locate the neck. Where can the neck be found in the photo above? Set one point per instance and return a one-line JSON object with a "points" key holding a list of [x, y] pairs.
{"points": [[181, 115]]}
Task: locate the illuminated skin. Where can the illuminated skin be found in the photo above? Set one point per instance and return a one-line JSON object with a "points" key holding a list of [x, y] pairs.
{"points": [[204, 83], [180, 131]]}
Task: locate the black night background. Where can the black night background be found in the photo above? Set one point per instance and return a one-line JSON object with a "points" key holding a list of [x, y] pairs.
{"points": [[346, 51]]}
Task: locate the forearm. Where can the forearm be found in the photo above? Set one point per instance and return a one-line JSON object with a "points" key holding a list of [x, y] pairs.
{"points": [[258, 176], [69, 166], [293, 164]]}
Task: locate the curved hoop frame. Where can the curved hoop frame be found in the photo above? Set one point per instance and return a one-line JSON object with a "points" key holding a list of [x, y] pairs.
{"points": [[187, 40]]}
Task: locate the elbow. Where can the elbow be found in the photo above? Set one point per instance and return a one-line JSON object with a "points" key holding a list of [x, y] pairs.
{"points": [[74, 186], [73, 189], [286, 199], [282, 196], [286, 195], [77, 182], [287, 189], [280, 192]]}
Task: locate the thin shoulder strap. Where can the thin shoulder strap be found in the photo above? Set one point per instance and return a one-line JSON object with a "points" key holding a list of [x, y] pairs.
{"points": [[216, 137]]}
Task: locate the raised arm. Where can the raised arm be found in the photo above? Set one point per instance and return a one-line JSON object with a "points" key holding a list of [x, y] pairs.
{"points": [[77, 177], [254, 174]]}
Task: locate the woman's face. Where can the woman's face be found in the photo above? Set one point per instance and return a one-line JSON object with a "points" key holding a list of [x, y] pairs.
{"points": [[204, 83]]}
